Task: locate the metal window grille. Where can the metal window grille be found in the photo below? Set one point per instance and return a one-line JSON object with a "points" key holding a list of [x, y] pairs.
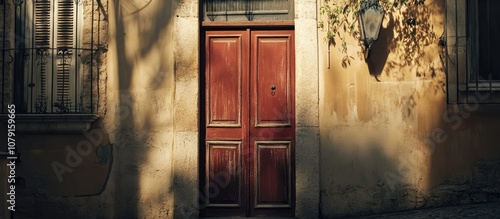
{"points": [[472, 29], [229, 10], [50, 55]]}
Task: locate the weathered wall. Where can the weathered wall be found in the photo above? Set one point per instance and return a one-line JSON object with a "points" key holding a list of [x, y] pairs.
{"points": [[140, 109], [54, 169], [144, 162], [129, 172], [380, 130], [388, 140], [306, 109], [186, 109]]}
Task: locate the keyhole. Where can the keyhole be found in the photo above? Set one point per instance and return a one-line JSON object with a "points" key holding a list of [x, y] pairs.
{"points": [[273, 90]]}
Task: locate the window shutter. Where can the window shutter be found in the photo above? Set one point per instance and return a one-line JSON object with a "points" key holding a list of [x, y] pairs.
{"points": [[65, 21], [65, 39], [42, 24], [54, 76], [42, 45]]}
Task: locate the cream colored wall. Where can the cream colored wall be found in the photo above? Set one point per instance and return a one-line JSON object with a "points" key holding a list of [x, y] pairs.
{"points": [[186, 109], [54, 169], [129, 172], [370, 137], [140, 107], [145, 163], [387, 140]]}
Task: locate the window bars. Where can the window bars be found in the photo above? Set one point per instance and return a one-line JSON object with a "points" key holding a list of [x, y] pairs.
{"points": [[50, 55], [249, 8], [471, 35]]}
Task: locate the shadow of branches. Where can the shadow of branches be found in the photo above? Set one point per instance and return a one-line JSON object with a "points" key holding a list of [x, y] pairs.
{"points": [[141, 49], [413, 41], [417, 54]]}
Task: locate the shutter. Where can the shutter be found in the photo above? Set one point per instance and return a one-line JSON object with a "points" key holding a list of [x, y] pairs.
{"points": [[42, 44], [42, 24], [54, 41], [65, 39], [65, 21]]}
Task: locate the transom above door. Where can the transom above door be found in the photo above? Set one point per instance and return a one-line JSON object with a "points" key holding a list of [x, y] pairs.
{"points": [[247, 10], [249, 125]]}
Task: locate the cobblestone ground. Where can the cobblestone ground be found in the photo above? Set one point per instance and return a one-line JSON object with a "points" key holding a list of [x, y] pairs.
{"points": [[483, 210]]}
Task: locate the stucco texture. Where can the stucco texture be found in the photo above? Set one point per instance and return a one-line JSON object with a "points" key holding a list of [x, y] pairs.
{"points": [[387, 140], [129, 171], [373, 136]]}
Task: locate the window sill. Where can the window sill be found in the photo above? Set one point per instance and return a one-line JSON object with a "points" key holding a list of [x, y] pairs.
{"points": [[53, 123]]}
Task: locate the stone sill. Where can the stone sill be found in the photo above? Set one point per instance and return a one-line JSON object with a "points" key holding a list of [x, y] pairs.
{"points": [[52, 123]]}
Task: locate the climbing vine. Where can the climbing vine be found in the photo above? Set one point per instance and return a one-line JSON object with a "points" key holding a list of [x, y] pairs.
{"points": [[341, 19]]}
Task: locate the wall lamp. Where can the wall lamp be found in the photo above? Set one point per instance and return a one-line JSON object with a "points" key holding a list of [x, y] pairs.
{"points": [[370, 17]]}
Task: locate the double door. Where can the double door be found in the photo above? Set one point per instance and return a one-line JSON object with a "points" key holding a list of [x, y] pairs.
{"points": [[249, 124]]}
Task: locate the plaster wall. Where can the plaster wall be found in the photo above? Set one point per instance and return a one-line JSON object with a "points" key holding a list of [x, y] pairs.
{"points": [[141, 108], [53, 170], [143, 161], [376, 136], [129, 171], [389, 141]]}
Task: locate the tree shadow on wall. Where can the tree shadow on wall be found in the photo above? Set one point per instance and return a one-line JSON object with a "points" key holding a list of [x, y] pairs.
{"points": [[415, 33], [417, 54], [137, 144]]}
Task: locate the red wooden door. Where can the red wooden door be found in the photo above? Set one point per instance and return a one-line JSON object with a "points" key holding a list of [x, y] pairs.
{"points": [[249, 124]]}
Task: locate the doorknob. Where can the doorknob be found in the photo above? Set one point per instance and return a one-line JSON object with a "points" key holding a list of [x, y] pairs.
{"points": [[273, 87]]}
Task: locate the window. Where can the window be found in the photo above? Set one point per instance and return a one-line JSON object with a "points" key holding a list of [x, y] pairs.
{"points": [[247, 10], [50, 53], [485, 34], [472, 51], [52, 73]]}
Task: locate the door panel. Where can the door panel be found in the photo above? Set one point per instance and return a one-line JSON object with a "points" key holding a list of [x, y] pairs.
{"points": [[272, 123], [226, 124], [223, 173], [272, 65], [273, 174], [249, 124], [224, 73]]}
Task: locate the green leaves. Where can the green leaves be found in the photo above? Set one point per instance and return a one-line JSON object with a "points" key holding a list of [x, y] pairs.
{"points": [[342, 19]]}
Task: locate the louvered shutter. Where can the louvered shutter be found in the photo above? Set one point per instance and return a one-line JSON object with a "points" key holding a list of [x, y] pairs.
{"points": [[42, 38], [42, 24], [53, 77], [65, 39]]}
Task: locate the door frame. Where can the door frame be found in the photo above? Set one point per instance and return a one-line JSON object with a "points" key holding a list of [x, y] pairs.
{"points": [[186, 49], [202, 114], [308, 88]]}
